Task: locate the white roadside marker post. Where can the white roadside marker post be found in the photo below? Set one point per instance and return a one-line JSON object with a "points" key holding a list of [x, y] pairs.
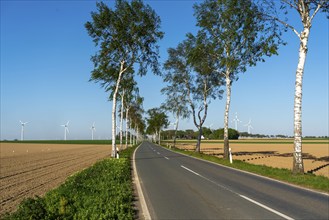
{"points": [[230, 151]]}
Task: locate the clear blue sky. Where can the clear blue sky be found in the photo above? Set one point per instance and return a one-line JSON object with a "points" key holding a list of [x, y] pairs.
{"points": [[45, 68]]}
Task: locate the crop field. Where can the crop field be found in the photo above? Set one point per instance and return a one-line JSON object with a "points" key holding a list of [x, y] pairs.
{"points": [[29, 169], [274, 153]]}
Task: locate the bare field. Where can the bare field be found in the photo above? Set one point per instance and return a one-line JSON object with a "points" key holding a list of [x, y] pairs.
{"points": [[28, 170], [271, 154]]}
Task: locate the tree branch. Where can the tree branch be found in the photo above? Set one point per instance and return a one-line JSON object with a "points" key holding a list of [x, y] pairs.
{"points": [[315, 11]]}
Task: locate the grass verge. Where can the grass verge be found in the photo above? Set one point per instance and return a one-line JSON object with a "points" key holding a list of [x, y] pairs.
{"points": [[102, 191], [310, 181]]}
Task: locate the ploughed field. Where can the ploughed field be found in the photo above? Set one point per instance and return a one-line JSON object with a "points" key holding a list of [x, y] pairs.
{"points": [[28, 169], [274, 153]]}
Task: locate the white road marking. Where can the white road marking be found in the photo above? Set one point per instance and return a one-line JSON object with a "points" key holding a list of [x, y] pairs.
{"points": [[266, 207], [167, 158], [158, 153], [245, 197], [191, 171]]}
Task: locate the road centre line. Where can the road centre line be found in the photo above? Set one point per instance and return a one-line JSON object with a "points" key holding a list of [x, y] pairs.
{"points": [[242, 196], [190, 170], [167, 158], [158, 152]]}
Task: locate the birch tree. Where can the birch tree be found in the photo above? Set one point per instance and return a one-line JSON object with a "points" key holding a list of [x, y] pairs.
{"points": [[176, 103], [307, 10], [241, 37], [191, 69], [124, 36]]}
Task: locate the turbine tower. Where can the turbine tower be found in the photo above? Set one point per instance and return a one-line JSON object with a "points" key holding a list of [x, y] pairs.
{"points": [[92, 131], [66, 129], [22, 129], [236, 120], [249, 126]]}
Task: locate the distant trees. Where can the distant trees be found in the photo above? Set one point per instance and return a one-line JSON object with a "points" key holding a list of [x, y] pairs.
{"points": [[125, 36], [208, 134], [307, 10], [156, 121], [240, 37]]}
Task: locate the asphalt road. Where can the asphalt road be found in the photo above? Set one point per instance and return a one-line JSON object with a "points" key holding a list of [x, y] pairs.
{"points": [[181, 187]]}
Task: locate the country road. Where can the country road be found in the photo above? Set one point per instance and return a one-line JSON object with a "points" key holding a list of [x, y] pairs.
{"points": [[181, 187]]}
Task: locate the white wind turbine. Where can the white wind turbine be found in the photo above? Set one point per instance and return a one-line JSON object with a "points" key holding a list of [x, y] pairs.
{"points": [[249, 126], [22, 129], [236, 120], [92, 131], [66, 129]]}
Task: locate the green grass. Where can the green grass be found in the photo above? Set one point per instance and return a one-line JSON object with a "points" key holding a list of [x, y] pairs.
{"points": [[102, 191], [311, 181]]}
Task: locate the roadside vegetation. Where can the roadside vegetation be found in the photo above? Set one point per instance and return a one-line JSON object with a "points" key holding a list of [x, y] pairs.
{"points": [[102, 191], [307, 180]]}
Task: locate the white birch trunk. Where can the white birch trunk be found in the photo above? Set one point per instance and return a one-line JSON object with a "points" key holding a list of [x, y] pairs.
{"points": [[298, 165], [130, 132], [127, 114], [160, 136], [226, 115], [121, 119], [114, 149]]}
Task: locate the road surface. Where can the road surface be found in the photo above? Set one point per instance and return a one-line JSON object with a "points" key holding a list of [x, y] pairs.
{"points": [[180, 187]]}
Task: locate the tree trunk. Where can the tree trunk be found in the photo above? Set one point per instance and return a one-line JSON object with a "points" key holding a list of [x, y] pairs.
{"points": [[130, 132], [159, 136], [114, 147], [198, 144], [127, 114], [226, 114], [298, 166], [176, 128], [121, 119]]}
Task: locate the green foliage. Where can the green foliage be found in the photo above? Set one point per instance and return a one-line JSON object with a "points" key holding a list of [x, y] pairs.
{"points": [[219, 134], [156, 121], [103, 191], [125, 35]]}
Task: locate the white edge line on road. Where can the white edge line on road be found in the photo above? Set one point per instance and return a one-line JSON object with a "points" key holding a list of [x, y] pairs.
{"points": [[158, 152], [167, 158], [145, 210], [266, 207]]}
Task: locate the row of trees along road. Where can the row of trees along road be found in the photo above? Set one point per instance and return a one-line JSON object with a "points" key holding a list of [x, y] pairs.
{"points": [[233, 35]]}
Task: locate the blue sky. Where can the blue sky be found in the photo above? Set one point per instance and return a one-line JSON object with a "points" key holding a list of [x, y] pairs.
{"points": [[45, 71]]}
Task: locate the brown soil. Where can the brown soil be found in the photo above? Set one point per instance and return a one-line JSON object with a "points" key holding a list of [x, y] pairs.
{"points": [[28, 170], [272, 154]]}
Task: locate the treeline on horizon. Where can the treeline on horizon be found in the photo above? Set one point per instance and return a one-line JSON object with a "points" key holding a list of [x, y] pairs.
{"points": [[214, 134]]}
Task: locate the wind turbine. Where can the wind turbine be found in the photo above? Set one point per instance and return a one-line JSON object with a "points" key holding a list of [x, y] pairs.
{"points": [[66, 129], [92, 131], [249, 126], [236, 120], [22, 129]]}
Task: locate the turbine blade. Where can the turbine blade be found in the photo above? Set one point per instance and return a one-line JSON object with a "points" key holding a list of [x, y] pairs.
{"points": [[67, 130], [67, 123]]}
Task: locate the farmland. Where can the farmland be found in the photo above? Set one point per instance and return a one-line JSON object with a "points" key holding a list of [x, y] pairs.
{"points": [[29, 169], [271, 152]]}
